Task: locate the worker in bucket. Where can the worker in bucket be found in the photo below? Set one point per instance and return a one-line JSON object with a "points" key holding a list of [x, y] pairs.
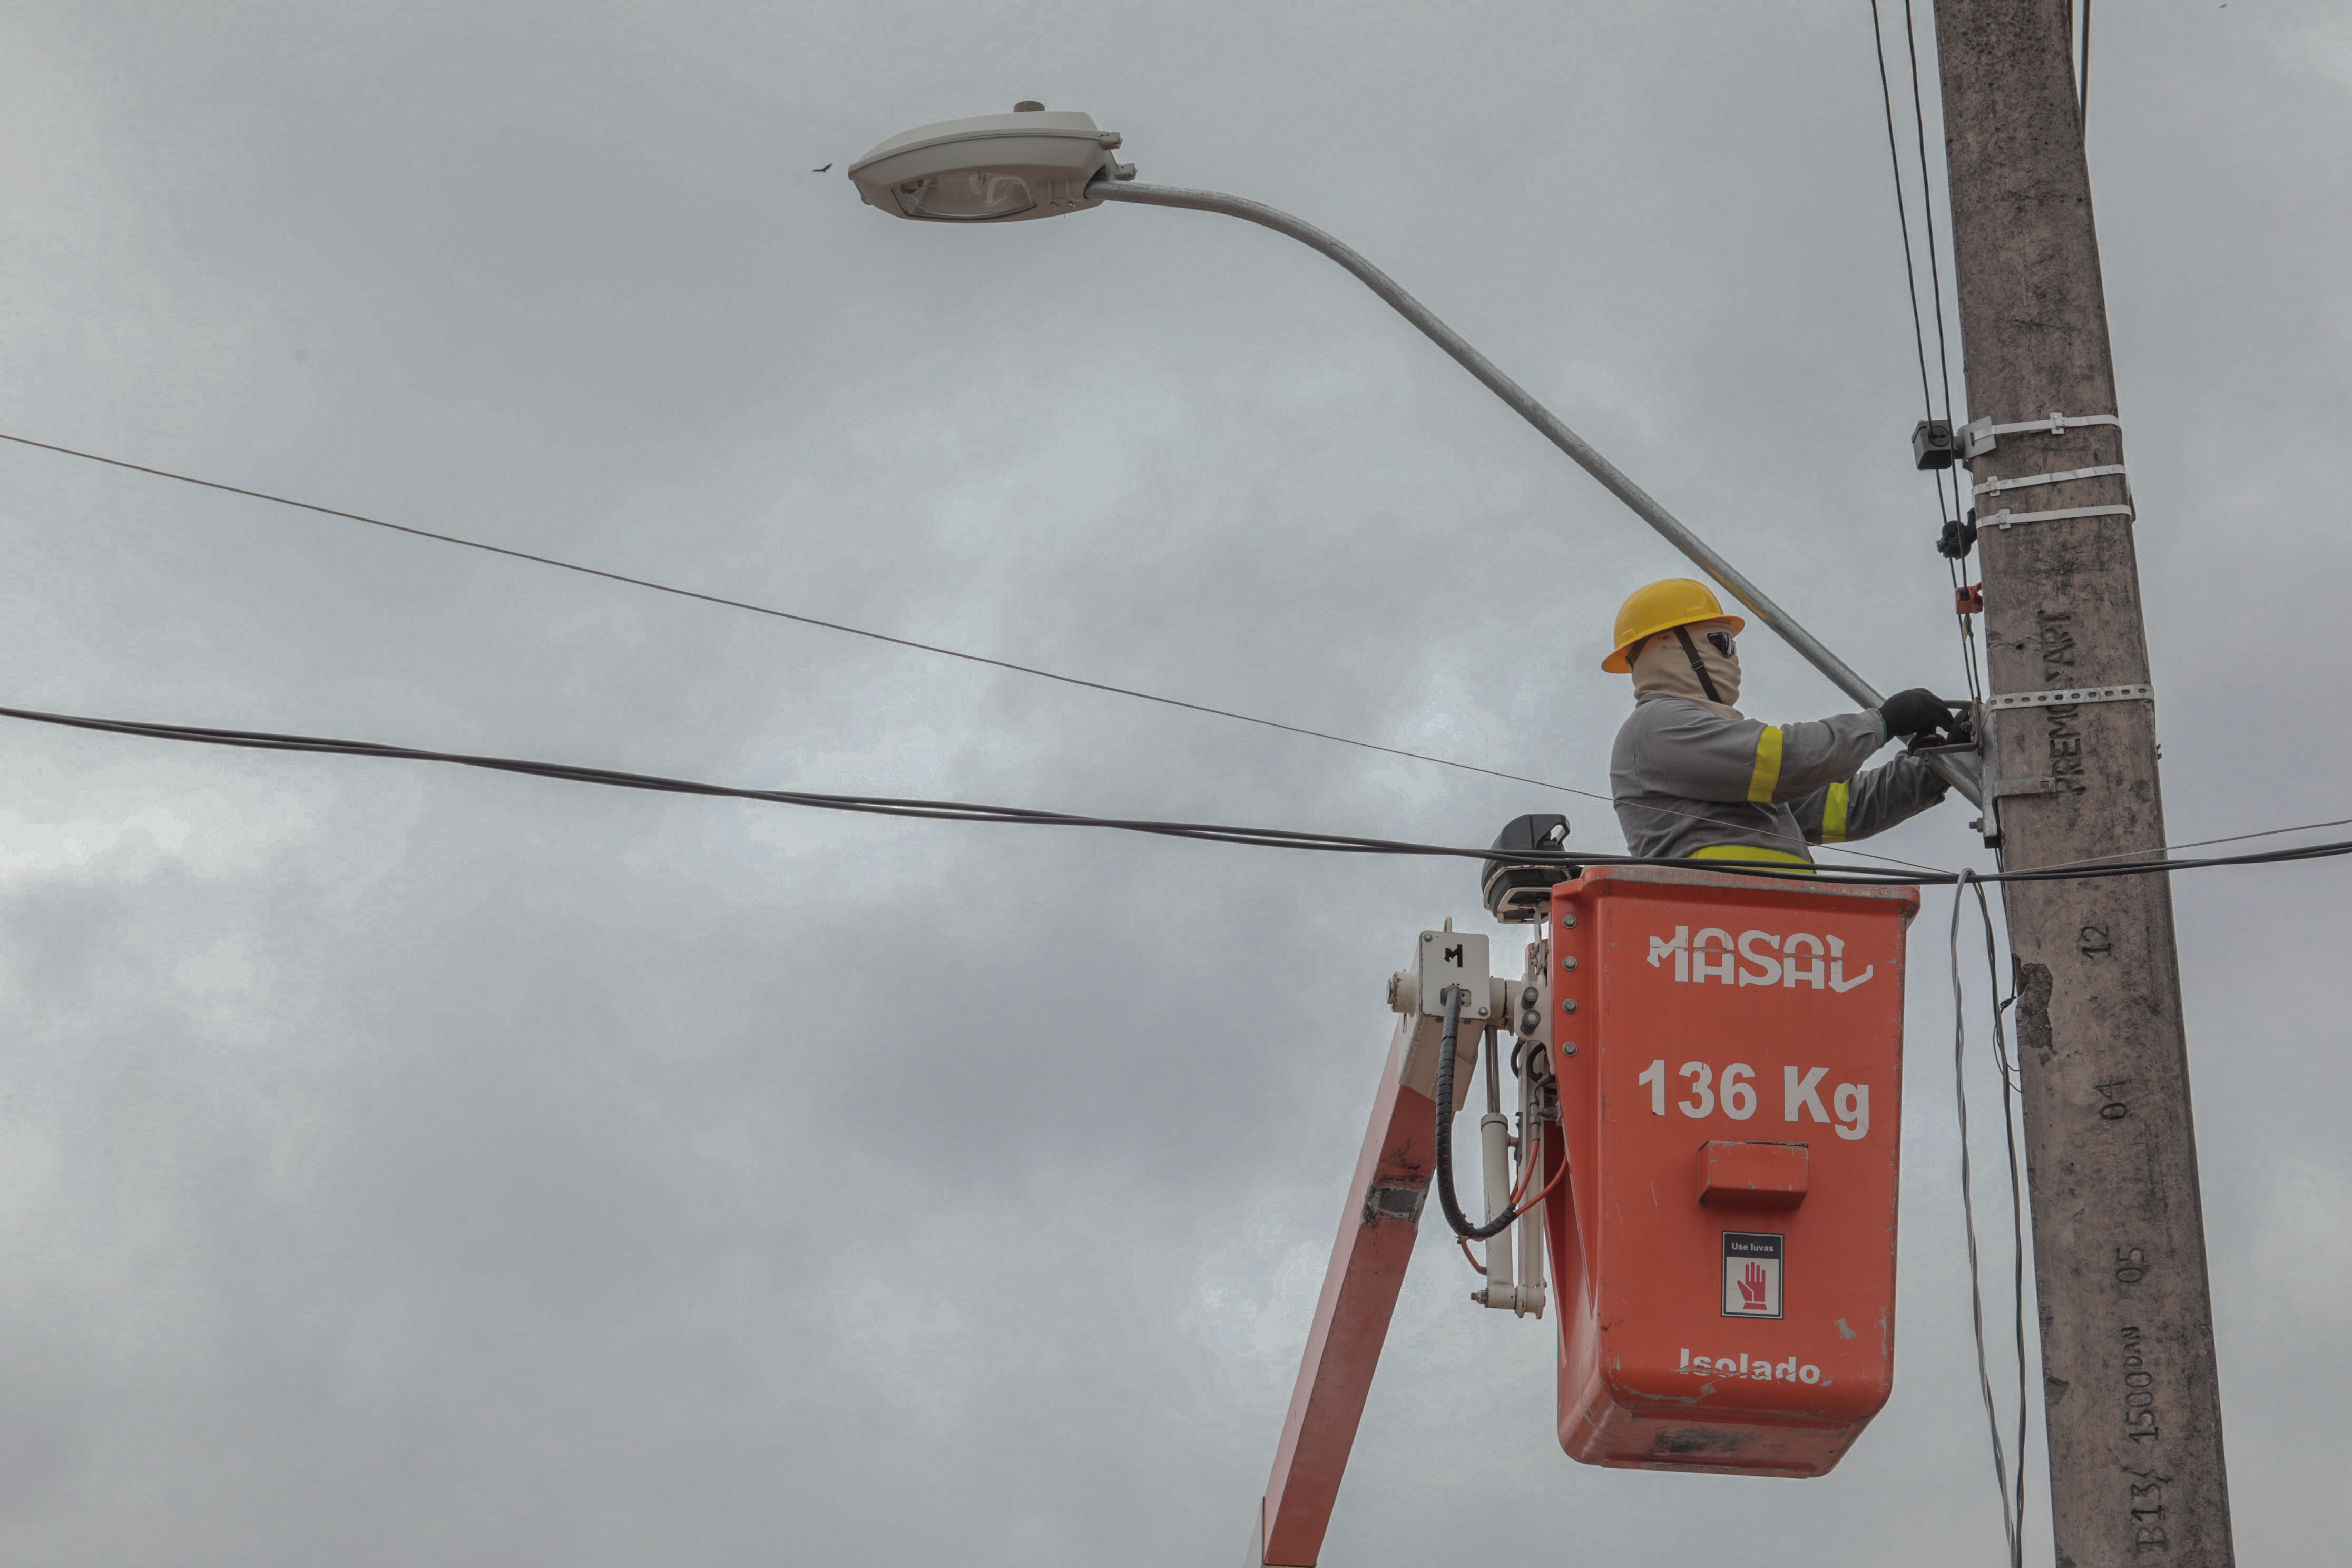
{"points": [[1694, 778]]}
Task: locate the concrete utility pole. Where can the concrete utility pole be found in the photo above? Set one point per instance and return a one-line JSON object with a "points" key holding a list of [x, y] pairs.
{"points": [[2134, 1405]]}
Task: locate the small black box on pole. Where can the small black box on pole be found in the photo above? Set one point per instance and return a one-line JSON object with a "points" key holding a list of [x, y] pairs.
{"points": [[1932, 445]]}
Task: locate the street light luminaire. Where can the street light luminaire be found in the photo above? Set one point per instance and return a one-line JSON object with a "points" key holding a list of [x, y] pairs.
{"points": [[991, 168]]}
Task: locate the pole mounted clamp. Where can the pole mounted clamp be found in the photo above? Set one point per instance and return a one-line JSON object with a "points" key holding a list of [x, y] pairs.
{"points": [[1978, 435]]}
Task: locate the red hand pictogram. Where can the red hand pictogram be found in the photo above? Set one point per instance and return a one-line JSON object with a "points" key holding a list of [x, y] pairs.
{"points": [[1751, 1288]]}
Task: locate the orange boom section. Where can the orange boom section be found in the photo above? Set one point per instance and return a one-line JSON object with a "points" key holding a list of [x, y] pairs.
{"points": [[1730, 1061]]}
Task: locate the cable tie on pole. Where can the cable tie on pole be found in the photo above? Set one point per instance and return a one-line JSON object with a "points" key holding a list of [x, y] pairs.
{"points": [[2004, 518], [1994, 487], [1978, 434]]}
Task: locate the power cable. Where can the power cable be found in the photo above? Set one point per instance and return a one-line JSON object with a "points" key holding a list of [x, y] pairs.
{"points": [[2012, 1094], [2201, 843], [1261, 838], [1928, 203], [883, 806], [1903, 214], [1943, 343], [790, 615], [2012, 1505], [1957, 506], [853, 631], [1969, 1213], [2082, 92]]}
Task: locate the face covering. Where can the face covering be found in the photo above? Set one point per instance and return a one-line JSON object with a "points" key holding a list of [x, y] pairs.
{"points": [[1681, 662]]}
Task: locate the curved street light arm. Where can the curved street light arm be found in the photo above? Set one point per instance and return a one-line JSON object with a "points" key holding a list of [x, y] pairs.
{"points": [[1587, 458]]}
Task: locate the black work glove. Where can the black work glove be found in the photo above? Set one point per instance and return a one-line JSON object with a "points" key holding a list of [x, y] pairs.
{"points": [[1956, 732], [1916, 711]]}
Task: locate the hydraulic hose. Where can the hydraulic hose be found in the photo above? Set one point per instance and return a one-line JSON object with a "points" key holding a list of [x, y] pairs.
{"points": [[1445, 1199]]}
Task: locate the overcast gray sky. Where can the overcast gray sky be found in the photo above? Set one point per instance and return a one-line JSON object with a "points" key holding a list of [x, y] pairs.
{"points": [[402, 1165]]}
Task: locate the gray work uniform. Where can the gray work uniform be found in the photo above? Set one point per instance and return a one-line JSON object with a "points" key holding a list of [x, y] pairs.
{"points": [[1687, 779]]}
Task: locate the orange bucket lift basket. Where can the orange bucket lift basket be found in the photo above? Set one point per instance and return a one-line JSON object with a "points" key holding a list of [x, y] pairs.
{"points": [[1725, 1052], [1730, 1055]]}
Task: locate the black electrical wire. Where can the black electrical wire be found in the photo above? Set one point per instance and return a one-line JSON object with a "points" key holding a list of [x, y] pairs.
{"points": [[882, 805], [1928, 205], [2227, 839], [1957, 506], [2082, 92], [1215, 833], [1446, 1201], [839, 626], [787, 614], [2138, 868], [2011, 1092], [2012, 1502], [1903, 216], [1943, 343]]}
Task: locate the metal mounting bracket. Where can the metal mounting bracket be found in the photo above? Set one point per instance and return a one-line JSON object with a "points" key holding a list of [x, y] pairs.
{"points": [[2046, 784], [1444, 959], [2069, 698]]}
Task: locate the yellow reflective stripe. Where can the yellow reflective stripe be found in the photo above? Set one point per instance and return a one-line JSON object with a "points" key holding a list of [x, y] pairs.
{"points": [[1833, 812], [1748, 852], [1766, 778]]}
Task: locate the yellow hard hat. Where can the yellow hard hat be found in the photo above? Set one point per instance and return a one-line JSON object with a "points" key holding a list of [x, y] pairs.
{"points": [[1662, 606]]}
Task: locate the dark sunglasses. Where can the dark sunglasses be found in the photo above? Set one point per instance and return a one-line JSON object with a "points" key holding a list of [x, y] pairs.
{"points": [[1724, 643]]}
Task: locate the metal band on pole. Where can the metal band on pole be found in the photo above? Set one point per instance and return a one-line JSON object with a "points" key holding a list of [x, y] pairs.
{"points": [[2005, 517], [1995, 487], [1587, 457], [2140, 693]]}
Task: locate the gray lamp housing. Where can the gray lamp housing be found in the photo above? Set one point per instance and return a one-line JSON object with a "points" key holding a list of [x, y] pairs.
{"points": [[991, 168]]}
